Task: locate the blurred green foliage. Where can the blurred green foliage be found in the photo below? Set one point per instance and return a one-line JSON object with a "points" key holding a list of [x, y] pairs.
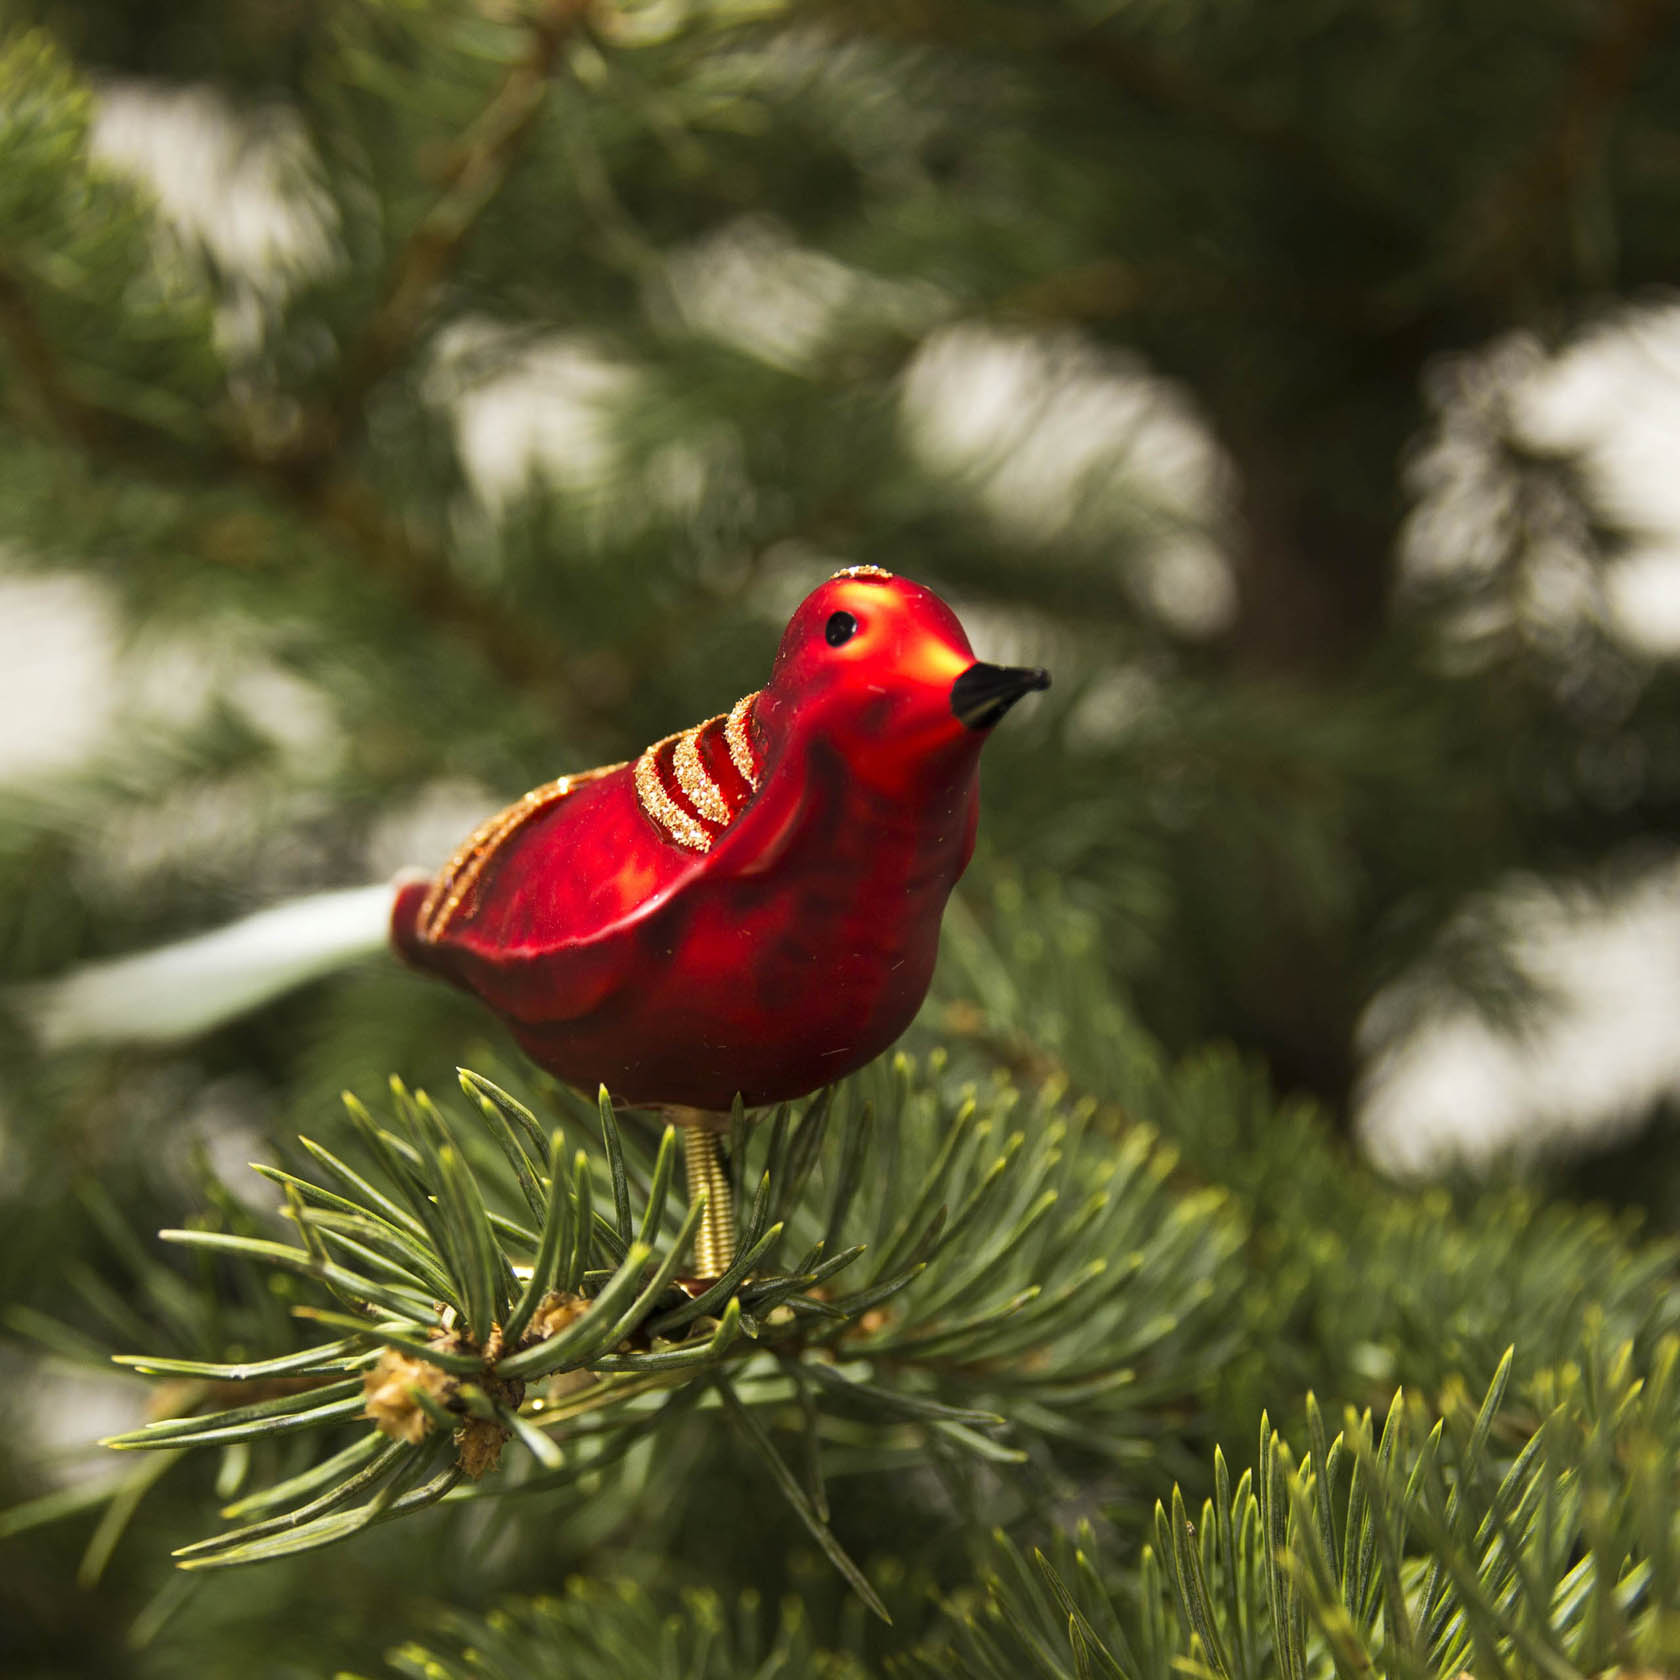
{"points": [[1133, 329]]}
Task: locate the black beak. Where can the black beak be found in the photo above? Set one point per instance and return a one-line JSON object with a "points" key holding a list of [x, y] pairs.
{"points": [[983, 693]]}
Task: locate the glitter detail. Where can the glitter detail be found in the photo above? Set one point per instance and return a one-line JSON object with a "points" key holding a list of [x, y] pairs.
{"points": [[662, 808], [454, 884], [693, 777], [739, 741], [712, 807], [862, 572], [460, 875]]}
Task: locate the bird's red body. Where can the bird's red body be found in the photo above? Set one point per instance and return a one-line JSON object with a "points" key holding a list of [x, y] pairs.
{"points": [[753, 907]]}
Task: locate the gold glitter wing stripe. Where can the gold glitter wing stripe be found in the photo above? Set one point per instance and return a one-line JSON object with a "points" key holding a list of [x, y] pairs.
{"points": [[662, 808], [694, 779], [459, 876], [740, 742]]}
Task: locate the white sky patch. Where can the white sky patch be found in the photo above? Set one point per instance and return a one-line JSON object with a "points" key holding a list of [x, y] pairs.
{"points": [[1613, 400], [1463, 499], [57, 662], [171, 683], [424, 831], [751, 285], [239, 183], [1607, 1048], [1113, 705], [1616, 394], [291, 711], [61, 1411], [1054, 437], [1595, 1056], [229, 1118], [524, 409], [791, 570], [1008, 635], [1616, 397], [1190, 585], [1644, 595], [72, 699]]}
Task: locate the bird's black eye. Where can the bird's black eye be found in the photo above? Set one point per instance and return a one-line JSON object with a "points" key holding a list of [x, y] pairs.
{"points": [[841, 628]]}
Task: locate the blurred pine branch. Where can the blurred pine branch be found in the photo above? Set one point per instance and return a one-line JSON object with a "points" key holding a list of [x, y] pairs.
{"points": [[1187, 348]]}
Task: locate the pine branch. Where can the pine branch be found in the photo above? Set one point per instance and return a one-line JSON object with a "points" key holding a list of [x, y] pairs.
{"points": [[98, 429], [517, 648], [189, 1382], [1375, 1556], [1390, 1280], [80, 422], [1176, 90], [599, 1630], [478, 164], [306, 475], [344, 507], [993, 1296]]}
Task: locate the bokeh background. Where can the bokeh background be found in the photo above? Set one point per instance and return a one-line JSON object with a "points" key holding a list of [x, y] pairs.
{"points": [[403, 403]]}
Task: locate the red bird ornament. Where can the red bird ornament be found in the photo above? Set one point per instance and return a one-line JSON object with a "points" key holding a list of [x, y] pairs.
{"points": [[752, 906]]}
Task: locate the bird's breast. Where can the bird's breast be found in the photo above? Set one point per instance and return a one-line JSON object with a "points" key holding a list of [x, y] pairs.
{"points": [[837, 943]]}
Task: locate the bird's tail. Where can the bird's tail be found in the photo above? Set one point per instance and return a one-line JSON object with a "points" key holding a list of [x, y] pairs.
{"points": [[183, 990]]}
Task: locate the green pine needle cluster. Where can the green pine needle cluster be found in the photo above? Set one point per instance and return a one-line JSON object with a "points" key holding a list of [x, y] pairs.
{"points": [[1017, 1273], [1006, 1298], [601, 1631], [1505, 1541]]}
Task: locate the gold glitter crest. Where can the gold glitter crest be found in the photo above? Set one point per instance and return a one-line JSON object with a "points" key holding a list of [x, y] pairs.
{"points": [[862, 572], [455, 882]]}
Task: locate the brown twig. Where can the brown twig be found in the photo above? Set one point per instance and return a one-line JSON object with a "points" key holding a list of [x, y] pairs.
{"points": [[1501, 229], [1017, 1055], [345, 507], [479, 164], [511, 645], [94, 427], [35, 361]]}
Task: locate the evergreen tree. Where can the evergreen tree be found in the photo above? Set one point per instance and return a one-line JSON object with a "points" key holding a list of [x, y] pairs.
{"points": [[1060, 1338]]}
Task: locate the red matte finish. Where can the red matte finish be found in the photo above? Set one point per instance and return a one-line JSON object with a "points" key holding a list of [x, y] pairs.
{"points": [[801, 944]]}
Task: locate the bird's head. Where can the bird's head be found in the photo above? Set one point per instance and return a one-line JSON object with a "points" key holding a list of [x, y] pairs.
{"points": [[880, 668]]}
